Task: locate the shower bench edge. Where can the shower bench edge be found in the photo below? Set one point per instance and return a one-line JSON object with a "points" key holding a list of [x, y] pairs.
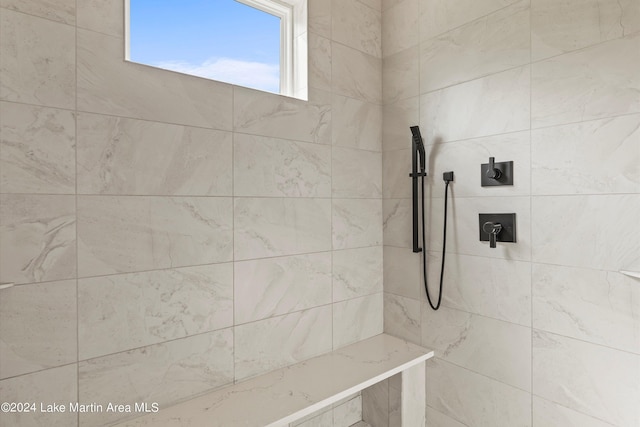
{"points": [[282, 396]]}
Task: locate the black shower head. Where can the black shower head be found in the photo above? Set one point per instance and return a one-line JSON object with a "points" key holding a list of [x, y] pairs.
{"points": [[418, 145]]}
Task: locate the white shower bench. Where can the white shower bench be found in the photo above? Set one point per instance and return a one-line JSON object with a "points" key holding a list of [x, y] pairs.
{"points": [[288, 394]]}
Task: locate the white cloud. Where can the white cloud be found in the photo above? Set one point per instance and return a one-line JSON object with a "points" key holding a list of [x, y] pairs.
{"points": [[256, 75]]}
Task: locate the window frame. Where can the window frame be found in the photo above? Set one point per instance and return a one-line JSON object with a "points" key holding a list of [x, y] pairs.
{"points": [[293, 42]]}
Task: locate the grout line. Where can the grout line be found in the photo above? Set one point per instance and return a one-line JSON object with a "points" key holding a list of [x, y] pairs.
{"points": [[21, 12], [531, 204], [471, 80], [75, 119], [568, 266], [482, 375], [422, 288], [48, 368], [446, 415], [233, 235], [530, 129], [533, 329], [470, 22], [571, 409], [530, 64], [467, 196], [331, 171], [195, 265]]}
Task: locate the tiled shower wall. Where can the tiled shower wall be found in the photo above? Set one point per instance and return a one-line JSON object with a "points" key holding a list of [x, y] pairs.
{"points": [[544, 332], [168, 234]]}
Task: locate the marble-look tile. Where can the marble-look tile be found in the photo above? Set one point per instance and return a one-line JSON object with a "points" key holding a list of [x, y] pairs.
{"points": [[388, 4], [356, 25], [37, 64], [57, 385], [127, 234], [274, 286], [109, 85], [439, 16], [396, 166], [356, 173], [122, 312], [301, 69], [269, 167], [597, 381], [577, 231], [38, 238], [463, 238], [473, 399], [162, 373], [357, 319], [492, 287], [281, 341], [266, 114], [395, 404], [266, 227], [139, 157], [357, 272], [322, 420], [403, 272], [356, 223], [438, 419], [399, 24], [499, 103], [55, 10], [413, 396], [356, 74], [356, 124], [497, 349], [395, 381], [102, 16], [596, 306], [396, 223], [319, 62], [562, 26], [563, 158], [549, 414], [320, 17], [37, 150], [401, 75], [398, 117], [374, 4], [37, 327], [497, 42], [465, 158], [402, 317], [348, 413], [375, 404], [597, 82], [288, 394], [342, 411]]}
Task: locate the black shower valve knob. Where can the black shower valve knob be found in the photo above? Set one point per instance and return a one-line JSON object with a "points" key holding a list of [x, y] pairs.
{"points": [[492, 229], [496, 173], [492, 171]]}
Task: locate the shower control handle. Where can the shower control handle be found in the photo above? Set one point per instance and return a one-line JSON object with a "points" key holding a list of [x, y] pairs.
{"points": [[492, 171], [492, 229]]}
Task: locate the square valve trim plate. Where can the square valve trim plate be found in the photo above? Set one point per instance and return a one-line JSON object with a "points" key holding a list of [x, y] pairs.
{"points": [[506, 220]]}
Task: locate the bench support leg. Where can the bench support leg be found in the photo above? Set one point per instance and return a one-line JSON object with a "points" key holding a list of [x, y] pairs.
{"points": [[413, 396]]}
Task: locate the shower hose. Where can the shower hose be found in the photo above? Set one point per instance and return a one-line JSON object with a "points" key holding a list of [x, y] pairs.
{"points": [[444, 245]]}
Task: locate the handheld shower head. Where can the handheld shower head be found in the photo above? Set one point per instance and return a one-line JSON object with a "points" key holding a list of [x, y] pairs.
{"points": [[418, 145]]}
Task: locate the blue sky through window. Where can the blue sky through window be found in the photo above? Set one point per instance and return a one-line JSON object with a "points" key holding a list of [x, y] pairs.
{"points": [[218, 39]]}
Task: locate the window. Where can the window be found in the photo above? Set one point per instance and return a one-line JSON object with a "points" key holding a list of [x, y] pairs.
{"points": [[261, 44]]}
